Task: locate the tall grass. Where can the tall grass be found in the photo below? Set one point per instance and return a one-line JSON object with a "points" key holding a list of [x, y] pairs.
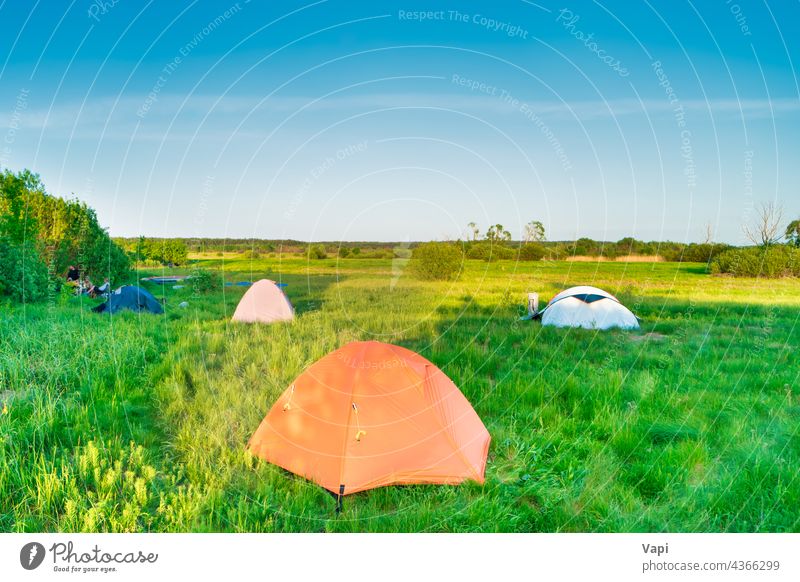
{"points": [[139, 422]]}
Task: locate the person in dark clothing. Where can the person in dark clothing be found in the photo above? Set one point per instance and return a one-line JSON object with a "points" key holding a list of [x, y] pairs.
{"points": [[73, 274]]}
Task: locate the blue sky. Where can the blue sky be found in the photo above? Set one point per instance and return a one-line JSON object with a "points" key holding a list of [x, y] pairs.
{"points": [[336, 120]]}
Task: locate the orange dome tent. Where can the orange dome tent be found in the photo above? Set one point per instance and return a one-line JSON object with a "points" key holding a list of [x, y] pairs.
{"points": [[264, 302], [372, 414]]}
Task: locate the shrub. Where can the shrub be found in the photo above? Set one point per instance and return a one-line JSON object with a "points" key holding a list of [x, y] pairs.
{"points": [[556, 252], [401, 253], [317, 252], [251, 254], [204, 281], [694, 252], [585, 247], [770, 262], [609, 251], [436, 261], [532, 252], [378, 253], [487, 251]]}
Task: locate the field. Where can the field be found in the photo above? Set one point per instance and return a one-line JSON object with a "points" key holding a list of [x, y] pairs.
{"points": [[139, 422]]}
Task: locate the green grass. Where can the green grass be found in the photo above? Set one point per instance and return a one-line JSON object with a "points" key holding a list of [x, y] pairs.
{"points": [[139, 422]]}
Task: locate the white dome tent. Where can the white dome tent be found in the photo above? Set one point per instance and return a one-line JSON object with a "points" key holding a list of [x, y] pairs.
{"points": [[587, 307], [264, 302]]}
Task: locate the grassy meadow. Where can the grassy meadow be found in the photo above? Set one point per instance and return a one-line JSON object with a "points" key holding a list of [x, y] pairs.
{"points": [[139, 422]]}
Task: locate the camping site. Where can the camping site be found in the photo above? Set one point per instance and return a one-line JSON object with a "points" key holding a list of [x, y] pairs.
{"points": [[515, 284], [140, 422]]}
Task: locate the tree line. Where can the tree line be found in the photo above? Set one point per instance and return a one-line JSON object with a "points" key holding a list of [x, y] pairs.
{"points": [[775, 251], [767, 258], [155, 251], [496, 243]]}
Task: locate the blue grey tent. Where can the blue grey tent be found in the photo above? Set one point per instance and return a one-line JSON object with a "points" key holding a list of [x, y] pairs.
{"points": [[130, 297]]}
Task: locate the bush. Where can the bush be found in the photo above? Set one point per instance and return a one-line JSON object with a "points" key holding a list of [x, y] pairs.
{"points": [[401, 253], [435, 261], [317, 252], [556, 252], [770, 262], [609, 251], [531, 252], [157, 251], [585, 247], [204, 281], [694, 252], [486, 251]]}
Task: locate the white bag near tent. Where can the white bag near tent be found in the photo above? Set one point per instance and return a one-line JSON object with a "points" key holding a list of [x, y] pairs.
{"points": [[588, 307]]}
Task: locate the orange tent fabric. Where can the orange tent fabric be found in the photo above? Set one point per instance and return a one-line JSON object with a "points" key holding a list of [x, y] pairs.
{"points": [[264, 302], [372, 414]]}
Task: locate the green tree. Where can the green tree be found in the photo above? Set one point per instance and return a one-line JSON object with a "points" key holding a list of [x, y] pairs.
{"points": [[496, 234], [176, 253], [23, 272], [629, 246], [585, 247], [793, 233], [42, 235], [534, 232]]}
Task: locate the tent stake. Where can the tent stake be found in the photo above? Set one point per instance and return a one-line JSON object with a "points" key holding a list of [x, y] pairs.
{"points": [[339, 500]]}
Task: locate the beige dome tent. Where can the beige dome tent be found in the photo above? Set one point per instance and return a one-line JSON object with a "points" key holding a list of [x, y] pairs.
{"points": [[264, 302]]}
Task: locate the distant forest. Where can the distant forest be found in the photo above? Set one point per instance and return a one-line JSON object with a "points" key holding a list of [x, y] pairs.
{"points": [[175, 250]]}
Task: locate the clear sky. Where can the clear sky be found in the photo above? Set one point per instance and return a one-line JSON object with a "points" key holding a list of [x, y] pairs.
{"points": [[334, 120]]}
